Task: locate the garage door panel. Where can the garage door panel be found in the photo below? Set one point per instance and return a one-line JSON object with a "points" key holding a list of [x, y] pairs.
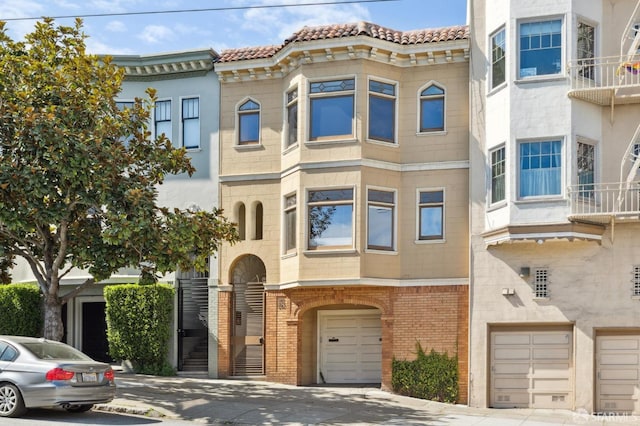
{"points": [[618, 344], [549, 384], [511, 368], [619, 359], [531, 368], [550, 353], [350, 346], [618, 373], [550, 339], [512, 383], [511, 353], [511, 339], [561, 370]]}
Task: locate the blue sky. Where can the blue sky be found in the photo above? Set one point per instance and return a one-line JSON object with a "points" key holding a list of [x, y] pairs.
{"points": [[223, 29]]}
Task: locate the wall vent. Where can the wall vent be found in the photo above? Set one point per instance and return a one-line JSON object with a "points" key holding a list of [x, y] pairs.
{"points": [[557, 398]]}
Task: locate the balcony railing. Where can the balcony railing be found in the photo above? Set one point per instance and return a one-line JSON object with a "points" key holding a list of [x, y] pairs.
{"points": [[600, 202], [606, 80]]}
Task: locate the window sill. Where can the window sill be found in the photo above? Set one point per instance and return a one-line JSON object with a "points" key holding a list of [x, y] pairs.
{"points": [[430, 241], [382, 252], [383, 143], [330, 142], [541, 299], [542, 199], [251, 147], [497, 89], [437, 133], [541, 79], [290, 148], [329, 252], [635, 297], [497, 206], [195, 149], [289, 255]]}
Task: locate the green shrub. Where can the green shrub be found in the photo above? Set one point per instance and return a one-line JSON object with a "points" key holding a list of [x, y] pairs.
{"points": [[139, 325], [21, 310], [432, 376]]}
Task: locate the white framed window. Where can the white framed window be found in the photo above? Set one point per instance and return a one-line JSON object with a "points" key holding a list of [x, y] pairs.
{"points": [[191, 123], [331, 109], [498, 169], [540, 48], [498, 58], [541, 283], [330, 219], [430, 214], [381, 219], [586, 50], [586, 167], [292, 118], [290, 223], [432, 108], [636, 281], [162, 119], [540, 168], [382, 111], [248, 115]]}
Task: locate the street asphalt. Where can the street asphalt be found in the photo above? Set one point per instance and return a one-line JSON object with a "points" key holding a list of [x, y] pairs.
{"points": [[245, 402]]}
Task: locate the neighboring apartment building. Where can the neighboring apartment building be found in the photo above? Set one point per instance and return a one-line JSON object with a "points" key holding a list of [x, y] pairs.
{"points": [[555, 271], [187, 111], [344, 160]]}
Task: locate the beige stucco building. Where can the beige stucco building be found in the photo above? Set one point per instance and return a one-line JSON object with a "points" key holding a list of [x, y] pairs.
{"points": [[344, 160], [555, 261]]}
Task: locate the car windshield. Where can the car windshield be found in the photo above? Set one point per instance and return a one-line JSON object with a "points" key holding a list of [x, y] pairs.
{"points": [[51, 350]]}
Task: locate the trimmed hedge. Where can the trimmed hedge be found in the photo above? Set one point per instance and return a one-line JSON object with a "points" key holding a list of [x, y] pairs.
{"points": [[139, 325], [432, 376], [21, 310]]}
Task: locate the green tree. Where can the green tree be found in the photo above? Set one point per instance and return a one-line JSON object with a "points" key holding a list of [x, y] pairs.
{"points": [[73, 193]]}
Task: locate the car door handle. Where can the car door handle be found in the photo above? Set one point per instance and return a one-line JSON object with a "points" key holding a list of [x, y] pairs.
{"points": [[334, 339]]}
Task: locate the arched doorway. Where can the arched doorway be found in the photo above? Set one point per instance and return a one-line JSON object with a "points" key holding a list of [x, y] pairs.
{"points": [[247, 343]]}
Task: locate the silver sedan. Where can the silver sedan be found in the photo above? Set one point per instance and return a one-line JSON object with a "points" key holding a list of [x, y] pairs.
{"points": [[36, 372]]}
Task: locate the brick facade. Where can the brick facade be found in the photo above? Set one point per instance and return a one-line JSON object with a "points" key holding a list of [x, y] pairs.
{"points": [[434, 316]]}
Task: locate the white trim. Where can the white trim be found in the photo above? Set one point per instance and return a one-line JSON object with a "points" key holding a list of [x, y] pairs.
{"points": [[374, 164], [78, 301], [492, 35], [541, 236], [563, 169], [309, 96], [563, 48], [285, 117], [283, 235], [377, 282], [353, 219]]}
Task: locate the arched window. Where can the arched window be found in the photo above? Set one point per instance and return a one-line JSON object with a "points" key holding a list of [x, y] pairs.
{"points": [[432, 109], [249, 123], [241, 216], [259, 225]]}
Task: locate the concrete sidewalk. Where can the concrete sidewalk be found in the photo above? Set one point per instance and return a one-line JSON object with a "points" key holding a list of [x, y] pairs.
{"points": [[243, 402]]}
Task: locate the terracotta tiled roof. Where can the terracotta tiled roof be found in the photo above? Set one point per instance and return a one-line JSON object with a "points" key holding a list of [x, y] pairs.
{"points": [[246, 53], [459, 32]]}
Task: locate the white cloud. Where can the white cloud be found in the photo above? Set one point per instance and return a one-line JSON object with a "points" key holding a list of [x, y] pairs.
{"points": [[116, 27], [154, 34], [97, 47]]}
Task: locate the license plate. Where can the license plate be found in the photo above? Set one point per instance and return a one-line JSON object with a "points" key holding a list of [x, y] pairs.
{"points": [[89, 377]]}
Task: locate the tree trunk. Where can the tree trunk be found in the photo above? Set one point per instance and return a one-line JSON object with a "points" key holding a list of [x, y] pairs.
{"points": [[53, 328]]}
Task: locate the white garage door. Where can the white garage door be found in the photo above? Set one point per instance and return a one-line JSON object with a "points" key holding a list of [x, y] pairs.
{"points": [[618, 374], [531, 369], [350, 347]]}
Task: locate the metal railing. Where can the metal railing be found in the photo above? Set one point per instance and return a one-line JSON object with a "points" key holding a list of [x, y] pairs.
{"points": [[605, 200], [610, 72]]}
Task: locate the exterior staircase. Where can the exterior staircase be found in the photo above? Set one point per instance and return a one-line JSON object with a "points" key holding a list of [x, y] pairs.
{"points": [[197, 359]]}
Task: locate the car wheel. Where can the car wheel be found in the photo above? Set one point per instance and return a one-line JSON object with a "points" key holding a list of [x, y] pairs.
{"points": [[79, 408], [11, 403]]}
